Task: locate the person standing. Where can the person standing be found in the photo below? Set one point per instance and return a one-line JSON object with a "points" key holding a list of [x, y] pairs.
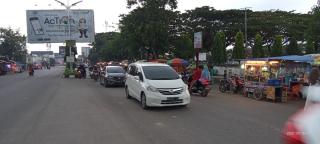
{"points": [[314, 88]]}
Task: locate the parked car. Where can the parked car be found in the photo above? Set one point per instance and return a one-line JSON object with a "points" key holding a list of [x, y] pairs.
{"points": [[155, 84], [113, 75]]}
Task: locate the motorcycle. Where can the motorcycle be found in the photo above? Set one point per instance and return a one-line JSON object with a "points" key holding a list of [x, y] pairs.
{"points": [[31, 72], [201, 87], [95, 75], [224, 85], [237, 85]]}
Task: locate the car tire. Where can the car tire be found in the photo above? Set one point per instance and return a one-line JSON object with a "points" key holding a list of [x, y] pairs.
{"points": [[144, 101], [127, 93], [106, 83], [100, 80]]}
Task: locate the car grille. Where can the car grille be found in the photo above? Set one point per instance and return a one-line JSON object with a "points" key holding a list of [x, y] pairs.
{"points": [[175, 91], [118, 78], [173, 100]]}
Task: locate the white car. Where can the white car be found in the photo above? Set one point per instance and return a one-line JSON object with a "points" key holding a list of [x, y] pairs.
{"points": [[156, 85]]}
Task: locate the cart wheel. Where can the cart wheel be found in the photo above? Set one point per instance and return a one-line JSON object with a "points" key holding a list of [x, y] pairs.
{"points": [[258, 94]]}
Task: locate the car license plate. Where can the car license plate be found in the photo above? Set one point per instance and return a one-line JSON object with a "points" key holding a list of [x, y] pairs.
{"points": [[172, 98]]}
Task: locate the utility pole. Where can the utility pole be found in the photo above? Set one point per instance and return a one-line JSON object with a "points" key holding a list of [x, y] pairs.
{"points": [[245, 26], [68, 9]]}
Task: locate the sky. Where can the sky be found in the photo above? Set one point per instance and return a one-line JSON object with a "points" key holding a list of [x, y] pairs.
{"points": [[13, 12]]}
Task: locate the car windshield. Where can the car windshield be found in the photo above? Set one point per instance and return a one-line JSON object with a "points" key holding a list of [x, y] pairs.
{"points": [[160, 73], [115, 70]]}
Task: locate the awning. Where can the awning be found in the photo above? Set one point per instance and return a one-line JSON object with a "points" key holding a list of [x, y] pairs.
{"points": [[295, 58]]}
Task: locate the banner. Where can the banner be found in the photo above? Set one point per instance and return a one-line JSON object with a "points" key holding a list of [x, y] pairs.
{"points": [[198, 40], [54, 26]]}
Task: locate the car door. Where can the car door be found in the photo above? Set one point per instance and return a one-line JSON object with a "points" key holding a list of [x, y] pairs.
{"points": [[130, 80], [136, 83]]}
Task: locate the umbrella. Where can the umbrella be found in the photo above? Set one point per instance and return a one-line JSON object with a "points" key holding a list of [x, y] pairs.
{"points": [[178, 62]]}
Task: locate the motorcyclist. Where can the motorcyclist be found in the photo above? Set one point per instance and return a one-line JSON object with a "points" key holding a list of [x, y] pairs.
{"points": [[196, 76]]}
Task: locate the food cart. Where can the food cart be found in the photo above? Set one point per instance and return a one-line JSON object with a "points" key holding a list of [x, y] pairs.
{"points": [[260, 79], [275, 78]]}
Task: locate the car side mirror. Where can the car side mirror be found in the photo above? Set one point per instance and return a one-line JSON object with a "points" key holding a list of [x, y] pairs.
{"points": [[180, 76], [136, 78]]}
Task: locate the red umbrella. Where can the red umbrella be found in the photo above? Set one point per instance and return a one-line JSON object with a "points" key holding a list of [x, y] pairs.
{"points": [[178, 62]]}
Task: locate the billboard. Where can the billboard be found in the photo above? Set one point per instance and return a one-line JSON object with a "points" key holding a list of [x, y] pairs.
{"points": [[198, 40], [53, 26]]}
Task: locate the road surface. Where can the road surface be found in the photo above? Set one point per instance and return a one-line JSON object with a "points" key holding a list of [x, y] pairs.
{"points": [[48, 109]]}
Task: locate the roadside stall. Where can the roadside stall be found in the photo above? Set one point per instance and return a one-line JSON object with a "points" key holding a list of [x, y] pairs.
{"points": [[260, 79], [276, 78]]}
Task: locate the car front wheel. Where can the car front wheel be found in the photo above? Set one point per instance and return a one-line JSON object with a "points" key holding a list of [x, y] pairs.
{"points": [[144, 101], [127, 93]]}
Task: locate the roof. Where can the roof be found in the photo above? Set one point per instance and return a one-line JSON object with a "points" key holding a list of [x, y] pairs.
{"points": [[295, 58], [41, 53], [150, 64]]}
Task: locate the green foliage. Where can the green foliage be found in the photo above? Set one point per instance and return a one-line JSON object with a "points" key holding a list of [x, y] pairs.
{"points": [[183, 47], [293, 48], [68, 72], [13, 44], [239, 50], [277, 46], [257, 49], [219, 54], [153, 3], [310, 46]]}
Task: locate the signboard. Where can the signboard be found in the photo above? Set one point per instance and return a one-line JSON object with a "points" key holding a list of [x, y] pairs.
{"points": [[202, 57], [198, 40], [53, 26], [70, 59], [62, 50]]}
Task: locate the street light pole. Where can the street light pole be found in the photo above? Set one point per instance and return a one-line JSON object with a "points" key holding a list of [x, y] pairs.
{"points": [[68, 8], [245, 25]]}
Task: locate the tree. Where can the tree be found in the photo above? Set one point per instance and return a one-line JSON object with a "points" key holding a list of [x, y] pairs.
{"points": [[218, 49], [293, 48], [313, 30], [257, 49], [277, 47], [224, 49], [183, 47], [13, 44], [310, 46], [239, 50]]}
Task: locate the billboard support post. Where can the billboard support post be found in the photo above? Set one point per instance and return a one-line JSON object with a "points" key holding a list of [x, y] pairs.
{"points": [[68, 7], [197, 45]]}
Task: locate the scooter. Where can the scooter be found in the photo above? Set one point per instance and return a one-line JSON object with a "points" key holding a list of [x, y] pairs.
{"points": [[224, 85], [237, 85], [31, 72], [201, 87], [95, 75]]}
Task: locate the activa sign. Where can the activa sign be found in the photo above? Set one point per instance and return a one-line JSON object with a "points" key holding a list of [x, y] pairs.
{"points": [[54, 26]]}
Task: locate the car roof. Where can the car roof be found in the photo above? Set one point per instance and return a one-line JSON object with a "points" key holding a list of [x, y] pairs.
{"points": [[149, 64], [113, 66]]}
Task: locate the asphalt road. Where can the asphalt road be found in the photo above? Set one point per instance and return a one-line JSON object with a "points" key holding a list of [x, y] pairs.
{"points": [[48, 109]]}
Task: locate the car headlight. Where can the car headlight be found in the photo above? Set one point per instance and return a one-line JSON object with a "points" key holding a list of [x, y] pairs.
{"points": [[151, 88], [185, 87]]}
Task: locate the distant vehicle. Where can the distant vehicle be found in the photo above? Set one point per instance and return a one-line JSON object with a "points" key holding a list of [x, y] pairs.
{"points": [[303, 127], [37, 66], [155, 84], [113, 75]]}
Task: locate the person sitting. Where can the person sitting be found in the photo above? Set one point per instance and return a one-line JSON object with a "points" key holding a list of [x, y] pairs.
{"points": [[196, 76]]}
